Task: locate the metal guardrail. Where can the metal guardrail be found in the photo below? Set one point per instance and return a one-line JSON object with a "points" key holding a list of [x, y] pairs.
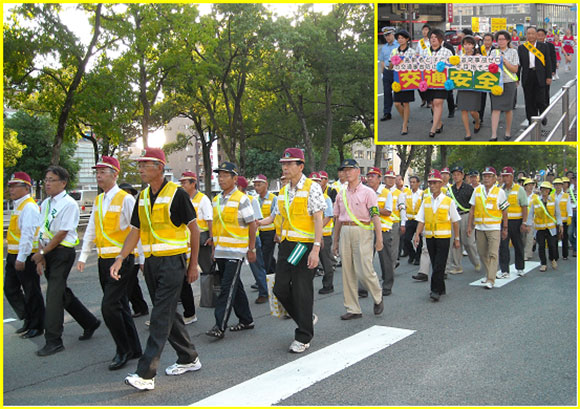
{"points": [[565, 122]]}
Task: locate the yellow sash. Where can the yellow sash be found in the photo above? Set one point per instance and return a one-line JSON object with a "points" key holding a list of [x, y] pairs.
{"points": [[483, 50], [536, 52], [422, 43]]}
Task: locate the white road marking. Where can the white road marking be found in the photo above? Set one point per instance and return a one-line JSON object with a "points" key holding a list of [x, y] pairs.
{"points": [[7, 320], [280, 383], [500, 282]]}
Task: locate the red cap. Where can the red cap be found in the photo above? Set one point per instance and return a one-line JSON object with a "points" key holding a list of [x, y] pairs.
{"points": [[445, 170], [507, 171], [108, 162], [435, 176], [20, 177], [374, 171], [188, 176], [323, 174], [489, 170], [292, 155], [153, 155], [242, 182], [315, 176], [261, 178], [390, 174]]}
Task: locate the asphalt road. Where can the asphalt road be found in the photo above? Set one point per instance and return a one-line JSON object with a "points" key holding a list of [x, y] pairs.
{"points": [[453, 130], [514, 345]]}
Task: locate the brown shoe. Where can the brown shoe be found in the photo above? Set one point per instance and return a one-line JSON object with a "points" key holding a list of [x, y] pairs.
{"points": [[350, 316], [261, 299]]}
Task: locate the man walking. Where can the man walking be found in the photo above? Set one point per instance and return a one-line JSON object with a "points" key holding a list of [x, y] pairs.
{"points": [[268, 202], [388, 75]]}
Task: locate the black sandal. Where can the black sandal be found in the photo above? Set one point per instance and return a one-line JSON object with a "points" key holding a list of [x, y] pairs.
{"points": [[215, 332], [240, 327], [431, 134], [493, 139], [467, 138], [440, 129]]}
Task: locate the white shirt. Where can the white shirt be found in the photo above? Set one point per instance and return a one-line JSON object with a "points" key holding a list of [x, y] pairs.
{"points": [[501, 198], [256, 207], [27, 223], [435, 202], [204, 210], [389, 201], [401, 204], [530, 221], [126, 212], [532, 58], [63, 215], [558, 198]]}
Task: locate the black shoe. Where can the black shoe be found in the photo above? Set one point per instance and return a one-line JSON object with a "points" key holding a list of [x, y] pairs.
{"points": [[507, 137], [423, 103], [420, 277], [215, 332], [134, 355], [119, 361], [545, 121], [350, 316], [363, 293], [254, 287], [326, 290], [31, 333], [410, 261], [404, 132], [434, 296], [451, 114], [90, 331], [386, 117], [431, 134], [140, 313], [416, 262], [445, 276], [386, 292], [397, 265], [50, 349], [24, 328], [261, 299], [440, 129], [378, 308]]}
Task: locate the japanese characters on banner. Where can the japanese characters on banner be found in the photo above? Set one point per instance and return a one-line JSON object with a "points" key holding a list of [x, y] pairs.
{"points": [[477, 73]]}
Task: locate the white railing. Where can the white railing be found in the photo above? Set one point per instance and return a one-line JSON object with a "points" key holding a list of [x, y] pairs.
{"points": [[565, 122]]}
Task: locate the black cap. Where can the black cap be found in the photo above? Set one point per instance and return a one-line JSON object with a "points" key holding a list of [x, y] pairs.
{"points": [[127, 186], [456, 169], [228, 167], [473, 173], [403, 33], [348, 163]]}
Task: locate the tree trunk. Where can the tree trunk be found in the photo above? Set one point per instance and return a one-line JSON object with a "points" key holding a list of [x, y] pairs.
{"points": [[329, 118], [443, 152], [405, 158], [429, 154], [378, 156], [71, 91]]}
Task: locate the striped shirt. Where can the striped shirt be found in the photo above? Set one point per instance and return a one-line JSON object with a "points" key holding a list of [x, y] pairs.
{"points": [[245, 216]]}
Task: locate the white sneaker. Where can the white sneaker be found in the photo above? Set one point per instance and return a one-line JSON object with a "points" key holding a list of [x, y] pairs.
{"points": [[505, 275], [489, 285], [499, 275], [147, 322], [137, 382], [465, 253], [543, 268], [521, 273], [190, 320], [556, 76], [180, 369], [298, 347], [554, 264], [314, 319], [484, 280]]}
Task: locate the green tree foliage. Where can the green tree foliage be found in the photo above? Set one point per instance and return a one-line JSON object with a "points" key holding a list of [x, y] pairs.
{"points": [[12, 148]]}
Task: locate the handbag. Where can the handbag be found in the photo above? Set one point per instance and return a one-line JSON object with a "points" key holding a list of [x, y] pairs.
{"points": [[276, 308], [210, 287]]}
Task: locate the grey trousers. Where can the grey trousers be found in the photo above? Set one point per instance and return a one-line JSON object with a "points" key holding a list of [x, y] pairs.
{"points": [[467, 242]]}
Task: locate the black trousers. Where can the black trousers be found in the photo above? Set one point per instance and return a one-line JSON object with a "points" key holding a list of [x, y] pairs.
{"points": [[232, 294], [534, 96], [115, 305], [543, 237], [327, 261], [565, 241], [60, 298], [411, 228], [294, 288], [164, 278], [515, 235], [483, 102], [438, 251], [386, 261], [134, 291], [268, 246], [450, 102], [187, 299], [22, 290]]}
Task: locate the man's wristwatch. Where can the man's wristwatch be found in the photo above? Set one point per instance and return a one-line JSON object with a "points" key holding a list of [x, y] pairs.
{"points": [[316, 243], [41, 252], [252, 250]]}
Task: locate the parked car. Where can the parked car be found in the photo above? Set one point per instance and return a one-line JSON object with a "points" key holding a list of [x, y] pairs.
{"points": [[452, 37], [85, 199]]}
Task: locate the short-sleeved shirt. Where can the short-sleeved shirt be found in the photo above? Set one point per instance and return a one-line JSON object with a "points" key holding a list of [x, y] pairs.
{"points": [[27, 223], [360, 200], [435, 202], [502, 204], [316, 200], [181, 210], [522, 195], [462, 195], [63, 215], [385, 53], [511, 54]]}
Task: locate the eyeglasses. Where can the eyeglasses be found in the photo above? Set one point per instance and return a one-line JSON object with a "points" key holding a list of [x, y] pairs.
{"points": [[51, 180]]}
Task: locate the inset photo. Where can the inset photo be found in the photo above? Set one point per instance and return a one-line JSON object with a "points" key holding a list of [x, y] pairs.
{"points": [[477, 72]]}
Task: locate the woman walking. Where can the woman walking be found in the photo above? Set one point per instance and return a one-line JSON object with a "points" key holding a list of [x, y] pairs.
{"points": [[469, 102], [403, 98], [569, 44], [437, 96], [505, 101]]}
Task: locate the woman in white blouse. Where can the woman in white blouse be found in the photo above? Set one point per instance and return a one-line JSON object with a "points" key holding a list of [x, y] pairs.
{"points": [[403, 98], [437, 96]]}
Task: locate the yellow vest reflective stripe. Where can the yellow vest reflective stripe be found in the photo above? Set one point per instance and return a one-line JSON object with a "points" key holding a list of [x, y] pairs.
{"points": [[159, 236], [395, 214], [486, 209], [109, 237], [515, 210], [227, 231], [563, 203], [413, 210], [327, 230], [437, 224], [297, 224], [203, 226], [386, 222], [13, 238], [267, 211], [543, 220], [510, 74]]}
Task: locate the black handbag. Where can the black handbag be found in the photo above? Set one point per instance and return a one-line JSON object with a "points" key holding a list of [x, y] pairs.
{"points": [[210, 287]]}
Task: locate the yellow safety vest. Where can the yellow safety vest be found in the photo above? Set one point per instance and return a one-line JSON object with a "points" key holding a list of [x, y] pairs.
{"points": [[159, 236], [437, 224], [13, 238], [541, 219], [515, 210], [395, 214], [563, 203], [327, 230], [490, 214], [227, 231], [203, 226], [297, 224], [413, 210], [386, 221], [109, 237], [267, 211]]}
